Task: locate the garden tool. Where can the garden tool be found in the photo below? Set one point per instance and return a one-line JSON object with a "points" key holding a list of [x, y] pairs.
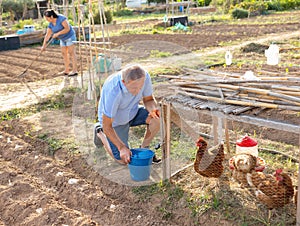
{"points": [[40, 53]]}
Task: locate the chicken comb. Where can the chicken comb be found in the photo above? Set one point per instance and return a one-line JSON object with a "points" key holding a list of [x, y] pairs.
{"points": [[278, 171], [198, 143]]}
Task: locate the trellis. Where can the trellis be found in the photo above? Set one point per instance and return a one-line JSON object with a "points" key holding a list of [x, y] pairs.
{"points": [[88, 45]]}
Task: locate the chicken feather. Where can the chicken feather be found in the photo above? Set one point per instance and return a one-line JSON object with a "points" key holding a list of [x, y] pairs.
{"points": [[209, 162], [272, 190]]}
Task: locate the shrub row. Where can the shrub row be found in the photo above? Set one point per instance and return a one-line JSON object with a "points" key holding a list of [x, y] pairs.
{"points": [[253, 8]]}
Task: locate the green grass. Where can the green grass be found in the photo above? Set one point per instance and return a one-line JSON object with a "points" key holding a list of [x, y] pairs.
{"points": [[56, 144], [159, 54]]}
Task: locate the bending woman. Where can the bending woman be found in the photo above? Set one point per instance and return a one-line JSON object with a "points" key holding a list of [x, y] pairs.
{"points": [[59, 28]]}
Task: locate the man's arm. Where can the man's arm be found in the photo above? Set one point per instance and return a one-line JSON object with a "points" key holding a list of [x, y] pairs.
{"points": [[109, 131], [151, 106]]}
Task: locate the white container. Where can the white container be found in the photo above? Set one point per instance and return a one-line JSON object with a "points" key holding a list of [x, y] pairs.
{"points": [[116, 64], [249, 75], [228, 58], [272, 55], [133, 3], [29, 28], [247, 145]]}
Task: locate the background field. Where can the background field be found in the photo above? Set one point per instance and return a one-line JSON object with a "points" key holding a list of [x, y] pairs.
{"points": [[40, 151]]}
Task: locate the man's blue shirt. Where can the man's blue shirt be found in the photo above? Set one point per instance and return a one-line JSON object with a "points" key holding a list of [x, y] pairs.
{"points": [[117, 103]]}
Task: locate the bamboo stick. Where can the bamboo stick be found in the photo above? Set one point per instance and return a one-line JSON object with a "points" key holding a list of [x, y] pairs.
{"points": [[249, 96], [210, 80], [268, 92], [240, 102], [279, 87], [261, 91], [289, 93], [211, 72], [235, 95], [232, 75]]}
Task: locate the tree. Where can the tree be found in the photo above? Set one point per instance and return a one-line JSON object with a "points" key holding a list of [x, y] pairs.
{"points": [[17, 8]]}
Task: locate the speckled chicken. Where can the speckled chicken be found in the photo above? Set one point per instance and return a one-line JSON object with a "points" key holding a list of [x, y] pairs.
{"points": [[272, 190], [243, 164], [209, 163]]}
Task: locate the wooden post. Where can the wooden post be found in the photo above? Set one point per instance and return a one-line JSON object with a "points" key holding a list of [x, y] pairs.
{"points": [[227, 138], [1, 14], [166, 138], [298, 198], [217, 129], [39, 10], [65, 7], [74, 13]]}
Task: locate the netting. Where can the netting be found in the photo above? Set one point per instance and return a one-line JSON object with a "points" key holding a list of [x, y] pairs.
{"points": [[84, 112]]}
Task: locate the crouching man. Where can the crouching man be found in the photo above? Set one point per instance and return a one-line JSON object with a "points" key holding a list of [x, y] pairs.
{"points": [[119, 109]]}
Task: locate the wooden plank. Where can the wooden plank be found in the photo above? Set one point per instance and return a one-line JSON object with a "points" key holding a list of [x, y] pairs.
{"points": [[31, 38]]}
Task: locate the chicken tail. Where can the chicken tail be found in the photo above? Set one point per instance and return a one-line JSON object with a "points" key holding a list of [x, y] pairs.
{"points": [[266, 200]]}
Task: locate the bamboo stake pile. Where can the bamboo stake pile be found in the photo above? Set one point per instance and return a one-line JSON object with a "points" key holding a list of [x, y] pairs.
{"points": [[224, 88]]}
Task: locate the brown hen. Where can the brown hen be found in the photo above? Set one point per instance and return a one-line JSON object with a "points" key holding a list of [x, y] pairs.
{"points": [[243, 164], [209, 163], [274, 191]]}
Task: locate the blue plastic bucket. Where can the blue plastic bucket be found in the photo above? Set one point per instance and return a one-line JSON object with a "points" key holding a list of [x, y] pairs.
{"points": [[140, 164]]}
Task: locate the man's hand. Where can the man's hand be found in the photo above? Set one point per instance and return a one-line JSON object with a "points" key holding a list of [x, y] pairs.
{"points": [[154, 113], [125, 154]]}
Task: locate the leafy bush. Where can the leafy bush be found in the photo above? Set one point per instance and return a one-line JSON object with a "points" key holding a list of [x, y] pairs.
{"points": [[274, 5], [239, 13], [108, 16], [289, 4], [41, 24], [203, 2], [1, 32], [21, 23], [123, 12], [253, 6], [281, 5]]}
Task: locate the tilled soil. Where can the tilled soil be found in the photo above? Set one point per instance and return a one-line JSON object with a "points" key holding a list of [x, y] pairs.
{"points": [[38, 187]]}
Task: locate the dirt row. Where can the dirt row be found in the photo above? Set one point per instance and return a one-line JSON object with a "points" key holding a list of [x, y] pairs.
{"points": [[37, 188], [43, 187]]}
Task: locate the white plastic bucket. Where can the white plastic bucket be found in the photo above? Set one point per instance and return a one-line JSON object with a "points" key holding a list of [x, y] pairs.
{"points": [[228, 58], [272, 55]]}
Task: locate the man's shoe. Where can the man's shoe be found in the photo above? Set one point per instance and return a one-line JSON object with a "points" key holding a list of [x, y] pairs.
{"points": [[97, 141], [156, 160]]}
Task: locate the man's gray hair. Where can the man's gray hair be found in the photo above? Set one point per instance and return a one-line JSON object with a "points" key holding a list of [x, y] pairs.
{"points": [[134, 72]]}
